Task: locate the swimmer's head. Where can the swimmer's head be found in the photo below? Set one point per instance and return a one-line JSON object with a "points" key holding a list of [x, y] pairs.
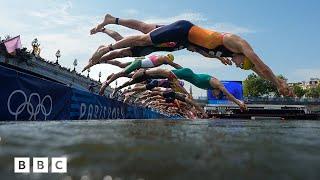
{"points": [[242, 62], [170, 57], [247, 64]]}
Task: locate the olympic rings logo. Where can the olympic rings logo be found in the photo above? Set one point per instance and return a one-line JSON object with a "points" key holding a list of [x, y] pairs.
{"points": [[33, 111]]}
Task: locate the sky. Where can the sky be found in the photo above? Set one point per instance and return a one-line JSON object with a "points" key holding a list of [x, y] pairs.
{"points": [[284, 33]]}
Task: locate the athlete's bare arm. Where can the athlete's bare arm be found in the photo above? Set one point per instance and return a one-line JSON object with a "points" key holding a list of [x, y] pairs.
{"points": [[223, 60], [217, 84], [175, 65], [238, 45]]}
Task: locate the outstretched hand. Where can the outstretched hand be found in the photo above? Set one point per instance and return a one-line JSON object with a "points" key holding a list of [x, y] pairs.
{"points": [[284, 89], [95, 30], [243, 106]]}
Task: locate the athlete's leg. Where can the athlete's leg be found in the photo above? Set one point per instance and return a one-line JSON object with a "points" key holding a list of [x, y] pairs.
{"points": [[119, 53], [174, 32], [118, 63], [153, 73], [101, 55], [129, 23], [216, 84], [113, 34], [132, 41]]}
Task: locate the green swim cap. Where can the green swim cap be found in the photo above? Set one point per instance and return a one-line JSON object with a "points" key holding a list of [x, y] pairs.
{"points": [[247, 64]]}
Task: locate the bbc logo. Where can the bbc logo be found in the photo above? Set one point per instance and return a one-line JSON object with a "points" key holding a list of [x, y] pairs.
{"points": [[40, 165]]}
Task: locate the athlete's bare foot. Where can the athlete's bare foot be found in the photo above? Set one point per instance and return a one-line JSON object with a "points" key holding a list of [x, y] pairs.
{"points": [[109, 19], [95, 30], [95, 59]]}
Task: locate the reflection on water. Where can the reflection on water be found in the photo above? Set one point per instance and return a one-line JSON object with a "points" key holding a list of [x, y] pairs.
{"points": [[164, 149]]}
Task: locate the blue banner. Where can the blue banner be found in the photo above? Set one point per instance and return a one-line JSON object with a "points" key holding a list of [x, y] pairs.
{"points": [[27, 97], [85, 105]]}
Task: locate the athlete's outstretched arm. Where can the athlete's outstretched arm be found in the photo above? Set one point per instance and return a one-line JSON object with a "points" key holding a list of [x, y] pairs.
{"points": [[197, 106], [175, 65], [223, 60], [132, 41], [264, 71], [109, 81], [128, 83], [182, 89], [137, 89], [215, 83]]}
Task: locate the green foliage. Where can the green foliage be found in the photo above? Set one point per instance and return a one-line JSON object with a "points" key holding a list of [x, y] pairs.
{"points": [[299, 91], [313, 92], [255, 86]]}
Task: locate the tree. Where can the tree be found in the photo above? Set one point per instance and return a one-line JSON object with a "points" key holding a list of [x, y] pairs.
{"points": [[313, 92], [298, 91], [255, 86]]}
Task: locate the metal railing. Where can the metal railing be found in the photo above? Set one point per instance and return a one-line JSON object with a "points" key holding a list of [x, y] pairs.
{"points": [[282, 100]]}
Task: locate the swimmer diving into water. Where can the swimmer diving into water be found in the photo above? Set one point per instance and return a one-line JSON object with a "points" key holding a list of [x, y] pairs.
{"points": [[149, 62], [101, 55], [206, 42], [202, 81]]}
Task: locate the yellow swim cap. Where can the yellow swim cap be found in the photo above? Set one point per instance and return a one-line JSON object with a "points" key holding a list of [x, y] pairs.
{"points": [[247, 64], [171, 57]]}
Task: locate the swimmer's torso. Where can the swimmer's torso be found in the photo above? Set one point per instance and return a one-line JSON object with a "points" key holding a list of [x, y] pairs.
{"points": [[205, 38], [151, 61]]}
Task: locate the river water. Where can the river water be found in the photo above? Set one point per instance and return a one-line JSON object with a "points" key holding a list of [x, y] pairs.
{"points": [[166, 149]]}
